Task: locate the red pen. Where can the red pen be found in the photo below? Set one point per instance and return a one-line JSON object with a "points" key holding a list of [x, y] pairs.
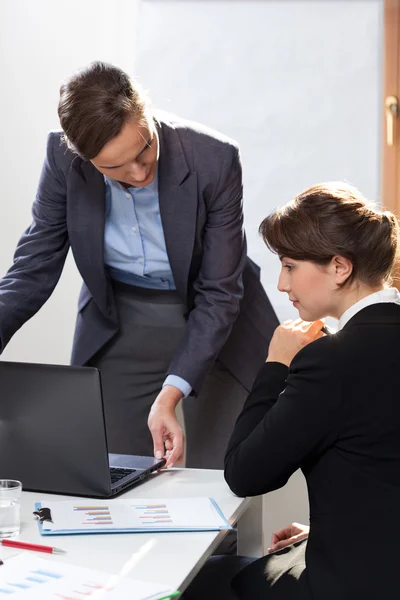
{"points": [[28, 546]]}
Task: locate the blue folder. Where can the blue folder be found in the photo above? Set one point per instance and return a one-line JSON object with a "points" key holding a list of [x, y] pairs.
{"points": [[41, 512]]}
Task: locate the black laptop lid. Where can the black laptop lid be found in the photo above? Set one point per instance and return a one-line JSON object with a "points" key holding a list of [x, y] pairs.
{"points": [[52, 430]]}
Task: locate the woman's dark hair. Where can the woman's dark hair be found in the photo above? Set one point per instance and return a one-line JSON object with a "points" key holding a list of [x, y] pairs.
{"points": [[95, 103], [331, 219]]}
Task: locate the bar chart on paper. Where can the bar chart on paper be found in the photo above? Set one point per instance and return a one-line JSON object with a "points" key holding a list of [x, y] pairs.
{"points": [[94, 515], [148, 514], [11, 583], [152, 514], [34, 578]]}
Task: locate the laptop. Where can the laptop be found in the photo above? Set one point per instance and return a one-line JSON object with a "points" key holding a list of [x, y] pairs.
{"points": [[53, 435]]}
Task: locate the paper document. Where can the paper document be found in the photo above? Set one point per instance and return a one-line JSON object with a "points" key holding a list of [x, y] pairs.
{"points": [[135, 515], [29, 577]]}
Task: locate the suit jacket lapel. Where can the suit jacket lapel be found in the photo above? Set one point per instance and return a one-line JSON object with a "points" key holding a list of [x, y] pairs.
{"points": [[177, 189], [86, 219]]}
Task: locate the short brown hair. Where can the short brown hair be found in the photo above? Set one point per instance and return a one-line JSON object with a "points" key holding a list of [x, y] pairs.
{"points": [[95, 103], [331, 219]]}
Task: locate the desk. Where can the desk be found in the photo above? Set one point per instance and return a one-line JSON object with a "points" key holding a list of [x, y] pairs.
{"points": [[176, 557]]}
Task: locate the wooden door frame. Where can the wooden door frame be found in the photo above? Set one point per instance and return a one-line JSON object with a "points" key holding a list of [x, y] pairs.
{"points": [[390, 188]]}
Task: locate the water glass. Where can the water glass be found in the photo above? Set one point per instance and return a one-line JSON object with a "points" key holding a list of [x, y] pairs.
{"points": [[10, 504]]}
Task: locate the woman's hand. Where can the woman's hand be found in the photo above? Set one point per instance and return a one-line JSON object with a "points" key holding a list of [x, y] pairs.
{"points": [[289, 535], [290, 337], [165, 429]]}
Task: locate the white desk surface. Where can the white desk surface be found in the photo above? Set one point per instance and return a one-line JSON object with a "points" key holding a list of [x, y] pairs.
{"points": [[175, 557]]}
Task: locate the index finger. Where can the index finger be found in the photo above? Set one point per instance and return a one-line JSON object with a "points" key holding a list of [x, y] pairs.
{"points": [[315, 328], [174, 457], [177, 450]]}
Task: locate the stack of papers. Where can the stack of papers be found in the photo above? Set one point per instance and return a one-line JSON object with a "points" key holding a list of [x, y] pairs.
{"points": [[134, 515], [26, 576]]}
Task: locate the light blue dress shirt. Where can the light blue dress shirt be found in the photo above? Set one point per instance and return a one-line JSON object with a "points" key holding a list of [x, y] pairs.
{"points": [[134, 244]]}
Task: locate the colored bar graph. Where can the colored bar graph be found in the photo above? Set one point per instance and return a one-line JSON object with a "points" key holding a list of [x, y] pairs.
{"points": [[153, 514], [156, 512], [157, 522], [47, 574], [20, 586], [95, 515], [29, 582], [98, 512], [87, 508], [139, 507], [36, 579], [97, 522]]}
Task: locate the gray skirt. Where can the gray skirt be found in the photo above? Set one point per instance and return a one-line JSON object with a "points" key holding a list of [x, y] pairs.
{"points": [[133, 367]]}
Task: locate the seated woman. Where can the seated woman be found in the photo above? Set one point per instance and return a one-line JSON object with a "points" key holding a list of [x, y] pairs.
{"points": [[328, 404]]}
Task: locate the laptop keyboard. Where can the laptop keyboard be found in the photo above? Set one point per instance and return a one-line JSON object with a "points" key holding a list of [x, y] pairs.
{"points": [[117, 473]]}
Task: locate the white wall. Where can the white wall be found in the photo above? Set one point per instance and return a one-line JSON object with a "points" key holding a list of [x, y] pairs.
{"points": [[298, 84], [41, 43]]}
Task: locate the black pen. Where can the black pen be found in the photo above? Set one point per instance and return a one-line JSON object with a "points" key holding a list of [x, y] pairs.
{"points": [[327, 330]]}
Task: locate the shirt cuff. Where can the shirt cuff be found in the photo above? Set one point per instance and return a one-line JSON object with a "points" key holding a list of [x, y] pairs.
{"points": [[179, 383]]}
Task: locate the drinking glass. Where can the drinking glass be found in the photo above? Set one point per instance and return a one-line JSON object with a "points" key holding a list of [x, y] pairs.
{"points": [[10, 503]]}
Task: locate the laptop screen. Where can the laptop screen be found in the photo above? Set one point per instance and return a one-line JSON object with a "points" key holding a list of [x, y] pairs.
{"points": [[52, 429]]}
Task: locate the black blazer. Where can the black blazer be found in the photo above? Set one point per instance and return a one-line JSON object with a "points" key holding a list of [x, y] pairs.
{"points": [[336, 415], [200, 193]]}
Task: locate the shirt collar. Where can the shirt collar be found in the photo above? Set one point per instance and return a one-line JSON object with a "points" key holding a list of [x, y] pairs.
{"points": [[386, 295]]}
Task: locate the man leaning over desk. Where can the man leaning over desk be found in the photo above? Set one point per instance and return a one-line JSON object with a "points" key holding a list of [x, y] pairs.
{"points": [[170, 307]]}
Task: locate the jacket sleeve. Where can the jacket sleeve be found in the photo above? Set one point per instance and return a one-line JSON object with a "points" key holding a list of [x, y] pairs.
{"points": [[40, 254], [289, 415], [218, 288]]}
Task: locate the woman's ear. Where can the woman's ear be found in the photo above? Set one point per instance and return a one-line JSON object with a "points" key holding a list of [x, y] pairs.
{"points": [[342, 269]]}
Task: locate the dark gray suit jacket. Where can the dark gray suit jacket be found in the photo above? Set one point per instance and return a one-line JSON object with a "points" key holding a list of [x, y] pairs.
{"points": [[200, 194]]}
